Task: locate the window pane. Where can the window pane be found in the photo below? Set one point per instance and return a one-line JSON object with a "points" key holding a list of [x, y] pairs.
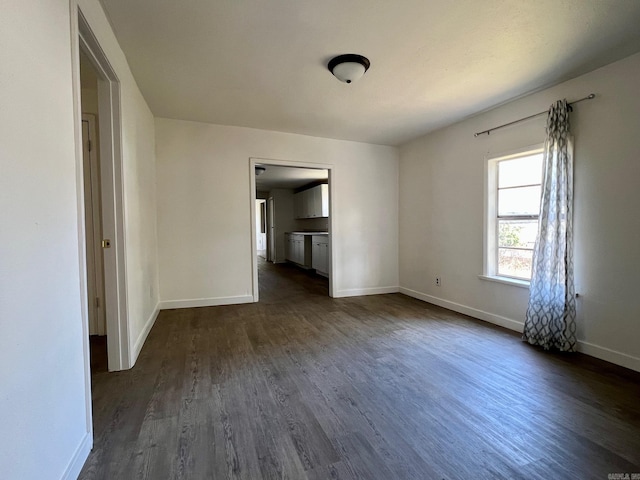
{"points": [[517, 233], [520, 171], [519, 201], [515, 263]]}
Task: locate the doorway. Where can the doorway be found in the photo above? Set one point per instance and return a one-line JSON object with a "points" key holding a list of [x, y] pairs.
{"points": [[261, 228], [299, 215], [100, 198], [271, 229], [93, 216]]}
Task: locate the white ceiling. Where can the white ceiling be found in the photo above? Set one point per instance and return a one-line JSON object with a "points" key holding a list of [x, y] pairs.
{"points": [[262, 64], [288, 177]]}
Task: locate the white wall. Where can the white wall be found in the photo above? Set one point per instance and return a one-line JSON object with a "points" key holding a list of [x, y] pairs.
{"points": [[139, 177], [204, 219], [44, 413], [42, 394], [441, 210]]}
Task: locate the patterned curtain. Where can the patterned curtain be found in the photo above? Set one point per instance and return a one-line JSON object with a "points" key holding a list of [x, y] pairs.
{"points": [[551, 313]]}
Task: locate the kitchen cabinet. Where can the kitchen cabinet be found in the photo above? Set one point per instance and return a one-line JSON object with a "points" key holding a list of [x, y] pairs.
{"points": [[320, 254], [313, 202], [296, 250], [287, 246]]}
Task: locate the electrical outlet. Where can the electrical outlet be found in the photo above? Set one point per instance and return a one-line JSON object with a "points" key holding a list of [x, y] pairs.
{"points": [[438, 281]]}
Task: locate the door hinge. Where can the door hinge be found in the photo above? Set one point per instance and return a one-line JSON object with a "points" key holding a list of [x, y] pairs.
{"points": [[89, 144], [97, 302]]}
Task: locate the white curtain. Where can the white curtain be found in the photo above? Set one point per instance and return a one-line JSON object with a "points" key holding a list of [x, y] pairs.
{"points": [[551, 313]]}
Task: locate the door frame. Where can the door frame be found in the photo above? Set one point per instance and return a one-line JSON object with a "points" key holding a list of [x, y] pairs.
{"points": [[252, 195], [110, 128], [112, 191]]}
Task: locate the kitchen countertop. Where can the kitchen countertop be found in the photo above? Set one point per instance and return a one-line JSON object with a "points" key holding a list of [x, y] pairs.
{"points": [[308, 233]]}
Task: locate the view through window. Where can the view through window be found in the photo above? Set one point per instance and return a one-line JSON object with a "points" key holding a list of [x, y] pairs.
{"points": [[518, 206]]}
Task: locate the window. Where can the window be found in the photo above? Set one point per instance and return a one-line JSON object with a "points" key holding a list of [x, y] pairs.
{"points": [[513, 206]]}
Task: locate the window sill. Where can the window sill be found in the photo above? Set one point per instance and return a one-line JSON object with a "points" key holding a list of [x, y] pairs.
{"points": [[506, 280]]}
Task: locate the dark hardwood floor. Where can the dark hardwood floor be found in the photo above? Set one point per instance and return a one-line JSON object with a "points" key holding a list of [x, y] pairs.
{"points": [[98, 349], [301, 386]]}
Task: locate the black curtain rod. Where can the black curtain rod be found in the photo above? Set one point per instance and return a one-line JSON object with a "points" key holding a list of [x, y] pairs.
{"points": [[589, 97]]}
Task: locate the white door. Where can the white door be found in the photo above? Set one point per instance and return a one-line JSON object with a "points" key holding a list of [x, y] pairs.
{"points": [[271, 230], [93, 227], [261, 235]]}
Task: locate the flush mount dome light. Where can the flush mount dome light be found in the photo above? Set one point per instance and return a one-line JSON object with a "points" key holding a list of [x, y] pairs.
{"points": [[260, 170], [349, 67]]}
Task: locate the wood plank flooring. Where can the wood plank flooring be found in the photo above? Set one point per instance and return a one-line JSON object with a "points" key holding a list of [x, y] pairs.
{"points": [[301, 386], [98, 348]]}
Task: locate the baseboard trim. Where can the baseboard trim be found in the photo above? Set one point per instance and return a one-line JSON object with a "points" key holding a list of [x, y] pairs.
{"points": [[206, 302], [612, 356], [79, 458], [602, 353], [472, 312], [357, 292], [137, 347]]}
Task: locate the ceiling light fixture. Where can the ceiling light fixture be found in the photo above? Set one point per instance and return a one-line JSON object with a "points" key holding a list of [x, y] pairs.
{"points": [[260, 170], [349, 67]]}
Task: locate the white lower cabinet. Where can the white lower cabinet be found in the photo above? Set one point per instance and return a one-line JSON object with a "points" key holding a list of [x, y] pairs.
{"points": [[320, 254], [287, 246], [308, 251], [295, 248]]}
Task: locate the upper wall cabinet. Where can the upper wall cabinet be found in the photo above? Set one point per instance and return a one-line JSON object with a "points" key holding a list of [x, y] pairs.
{"points": [[312, 203]]}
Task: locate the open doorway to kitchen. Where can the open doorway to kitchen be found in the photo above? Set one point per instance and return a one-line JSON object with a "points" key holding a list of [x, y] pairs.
{"points": [[297, 227]]}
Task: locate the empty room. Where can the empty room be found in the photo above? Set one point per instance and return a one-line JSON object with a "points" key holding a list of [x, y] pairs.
{"points": [[319, 240]]}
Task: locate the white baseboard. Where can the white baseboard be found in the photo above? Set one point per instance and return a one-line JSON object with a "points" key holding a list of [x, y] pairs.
{"points": [[206, 302], [472, 312], [357, 292], [587, 348], [79, 458], [609, 355], [144, 334]]}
